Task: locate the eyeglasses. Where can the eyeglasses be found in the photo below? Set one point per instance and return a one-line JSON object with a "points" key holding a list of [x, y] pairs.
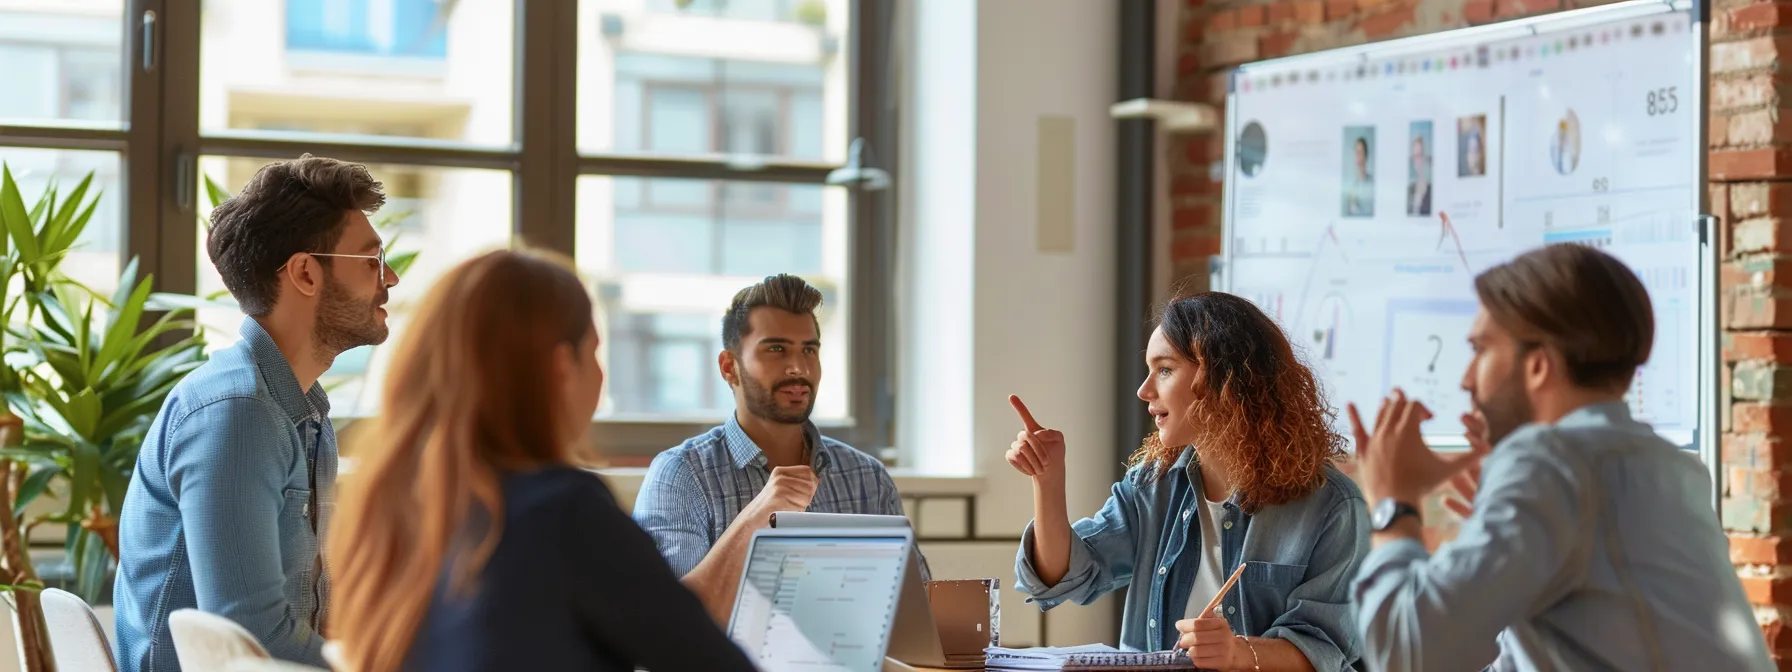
{"points": [[381, 257]]}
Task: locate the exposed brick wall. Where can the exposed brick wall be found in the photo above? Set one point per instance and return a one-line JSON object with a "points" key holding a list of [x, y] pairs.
{"points": [[1751, 194]]}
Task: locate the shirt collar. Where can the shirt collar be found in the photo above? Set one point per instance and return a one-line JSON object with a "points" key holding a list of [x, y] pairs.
{"points": [[1604, 414], [745, 453], [1188, 465], [277, 373]]}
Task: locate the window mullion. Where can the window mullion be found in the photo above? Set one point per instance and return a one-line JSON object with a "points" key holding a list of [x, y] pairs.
{"points": [[173, 167], [547, 96]]}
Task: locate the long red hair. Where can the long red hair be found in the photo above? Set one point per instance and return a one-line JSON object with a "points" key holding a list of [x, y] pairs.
{"points": [[468, 396]]}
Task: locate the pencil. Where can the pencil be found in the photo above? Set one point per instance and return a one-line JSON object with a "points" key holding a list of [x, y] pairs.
{"points": [[1181, 652], [1223, 590]]}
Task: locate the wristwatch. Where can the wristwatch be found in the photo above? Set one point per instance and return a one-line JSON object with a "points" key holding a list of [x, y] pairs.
{"points": [[1389, 510]]}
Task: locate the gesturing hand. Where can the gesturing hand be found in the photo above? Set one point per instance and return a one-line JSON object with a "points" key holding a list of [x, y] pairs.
{"points": [[1394, 461], [1036, 451], [1467, 482], [788, 489]]}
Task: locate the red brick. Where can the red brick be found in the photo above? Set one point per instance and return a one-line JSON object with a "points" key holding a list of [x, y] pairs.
{"points": [[1336, 10], [1251, 16], [1203, 150], [1386, 23], [1760, 234], [1281, 12], [1751, 54], [1775, 632], [1754, 516], [1758, 311], [1766, 418], [1756, 272], [1192, 246], [1229, 49], [1764, 346], [1749, 91], [1187, 63], [1218, 85], [1193, 216], [1756, 451], [1756, 199], [1758, 127], [1718, 195], [1477, 11], [1371, 5], [1760, 17], [1222, 20], [1276, 45], [1309, 12], [1761, 485], [1750, 164], [1764, 590], [1753, 550]]}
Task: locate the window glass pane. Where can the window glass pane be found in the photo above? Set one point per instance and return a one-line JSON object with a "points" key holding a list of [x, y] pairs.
{"points": [[62, 62], [443, 215], [94, 259], [411, 68], [666, 272], [773, 74]]}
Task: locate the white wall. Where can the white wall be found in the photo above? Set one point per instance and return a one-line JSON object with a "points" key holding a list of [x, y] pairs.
{"points": [[985, 313]]}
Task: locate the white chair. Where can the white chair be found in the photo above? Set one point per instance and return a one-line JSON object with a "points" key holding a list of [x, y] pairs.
{"points": [[333, 655], [76, 640], [211, 643]]}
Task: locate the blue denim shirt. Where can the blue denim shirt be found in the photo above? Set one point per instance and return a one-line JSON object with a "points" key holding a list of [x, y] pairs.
{"points": [[694, 491], [1592, 546], [232, 491], [1299, 560]]}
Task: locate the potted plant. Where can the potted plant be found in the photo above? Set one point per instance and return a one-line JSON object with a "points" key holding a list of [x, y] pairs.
{"points": [[83, 377]]}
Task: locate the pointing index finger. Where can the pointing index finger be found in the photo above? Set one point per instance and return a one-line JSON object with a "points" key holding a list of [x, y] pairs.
{"points": [[1025, 415]]}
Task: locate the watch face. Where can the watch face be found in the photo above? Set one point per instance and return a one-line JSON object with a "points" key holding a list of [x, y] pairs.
{"points": [[1383, 515]]}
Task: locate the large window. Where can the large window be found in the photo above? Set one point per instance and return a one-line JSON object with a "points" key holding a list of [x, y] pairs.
{"points": [[678, 150]]}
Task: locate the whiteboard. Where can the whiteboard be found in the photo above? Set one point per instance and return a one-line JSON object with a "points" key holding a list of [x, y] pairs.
{"points": [[1366, 187]]}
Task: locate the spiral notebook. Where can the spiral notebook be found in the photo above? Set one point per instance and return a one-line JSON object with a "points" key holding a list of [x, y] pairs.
{"points": [[1088, 657]]}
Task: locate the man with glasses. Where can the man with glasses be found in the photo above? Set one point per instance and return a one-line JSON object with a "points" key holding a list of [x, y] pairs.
{"points": [[234, 485]]}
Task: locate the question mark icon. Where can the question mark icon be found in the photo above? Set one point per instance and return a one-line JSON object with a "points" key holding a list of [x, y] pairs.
{"points": [[1432, 367]]}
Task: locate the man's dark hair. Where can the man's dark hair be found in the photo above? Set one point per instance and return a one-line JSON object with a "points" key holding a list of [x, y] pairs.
{"points": [[783, 291], [287, 208], [1584, 303]]}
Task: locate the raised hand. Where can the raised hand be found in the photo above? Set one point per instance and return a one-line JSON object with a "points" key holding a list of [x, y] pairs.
{"points": [[1394, 461], [788, 489], [1036, 451]]}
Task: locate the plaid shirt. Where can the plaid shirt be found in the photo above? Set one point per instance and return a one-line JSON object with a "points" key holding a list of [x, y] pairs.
{"points": [[233, 490], [694, 491]]}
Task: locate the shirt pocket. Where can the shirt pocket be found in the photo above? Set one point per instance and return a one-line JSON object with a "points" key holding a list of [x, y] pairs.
{"points": [[298, 544], [1265, 590]]}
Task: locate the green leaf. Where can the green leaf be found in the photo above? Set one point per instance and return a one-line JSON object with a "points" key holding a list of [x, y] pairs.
{"points": [[124, 325], [13, 216], [82, 479], [51, 237], [34, 485], [114, 482], [215, 193], [401, 263], [17, 221], [127, 280], [91, 566]]}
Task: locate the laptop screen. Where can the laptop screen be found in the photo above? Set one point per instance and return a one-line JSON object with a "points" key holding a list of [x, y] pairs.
{"points": [[819, 603]]}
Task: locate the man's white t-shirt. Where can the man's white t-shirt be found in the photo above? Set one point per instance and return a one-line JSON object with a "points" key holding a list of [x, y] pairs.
{"points": [[1210, 577]]}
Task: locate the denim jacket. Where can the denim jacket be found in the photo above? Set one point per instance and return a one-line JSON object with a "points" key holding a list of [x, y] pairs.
{"points": [[1300, 558], [233, 490]]}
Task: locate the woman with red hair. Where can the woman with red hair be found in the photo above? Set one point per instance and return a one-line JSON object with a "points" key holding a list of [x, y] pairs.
{"points": [[1238, 477]]}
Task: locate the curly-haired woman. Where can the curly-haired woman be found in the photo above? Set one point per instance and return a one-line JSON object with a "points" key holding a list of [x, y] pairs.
{"points": [[1239, 472]]}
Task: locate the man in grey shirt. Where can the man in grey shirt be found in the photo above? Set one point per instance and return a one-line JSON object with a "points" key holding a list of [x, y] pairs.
{"points": [[1592, 544]]}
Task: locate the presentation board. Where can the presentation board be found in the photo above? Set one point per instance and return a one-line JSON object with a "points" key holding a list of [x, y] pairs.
{"points": [[1366, 187]]}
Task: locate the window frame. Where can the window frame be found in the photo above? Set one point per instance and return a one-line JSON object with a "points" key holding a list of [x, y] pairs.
{"points": [[161, 142]]}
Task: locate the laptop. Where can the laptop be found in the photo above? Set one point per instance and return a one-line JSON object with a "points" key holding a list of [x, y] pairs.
{"points": [[938, 623], [820, 600]]}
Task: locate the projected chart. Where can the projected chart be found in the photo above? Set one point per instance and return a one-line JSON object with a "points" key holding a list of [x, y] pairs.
{"points": [[1369, 186], [822, 605]]}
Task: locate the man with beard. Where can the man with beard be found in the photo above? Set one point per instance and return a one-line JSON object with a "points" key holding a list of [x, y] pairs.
{"points": [[235, 483], [1591, 543], [703, 500]]}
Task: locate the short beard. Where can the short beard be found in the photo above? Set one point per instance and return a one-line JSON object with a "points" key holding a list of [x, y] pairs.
{"points": [[1506, 408], [762, 401], [345, 322]]}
